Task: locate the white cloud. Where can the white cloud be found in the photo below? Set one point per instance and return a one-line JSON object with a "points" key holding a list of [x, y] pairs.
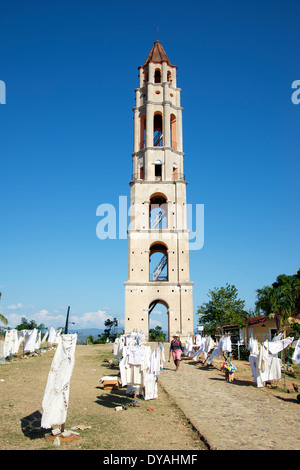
{"points": [[57, 320], [43, 316], [15, 307], [90, 319], [13, 319]]}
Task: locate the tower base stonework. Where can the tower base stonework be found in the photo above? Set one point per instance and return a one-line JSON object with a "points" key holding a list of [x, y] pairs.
{"points": [[177, 299]]}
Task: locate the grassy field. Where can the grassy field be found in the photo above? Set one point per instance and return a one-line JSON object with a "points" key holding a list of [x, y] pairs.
{"points": [[22, 386]]}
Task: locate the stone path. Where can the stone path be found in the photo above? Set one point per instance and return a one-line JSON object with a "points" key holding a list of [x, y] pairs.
{"points": [[229, 415]]}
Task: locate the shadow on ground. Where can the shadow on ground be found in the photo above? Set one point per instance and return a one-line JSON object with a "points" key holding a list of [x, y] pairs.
{"points": [[31, 426], [114, 398]]}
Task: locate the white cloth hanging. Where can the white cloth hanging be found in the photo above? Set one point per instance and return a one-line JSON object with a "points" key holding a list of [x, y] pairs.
{"points": [[57, 335], [296, 354], [219, 349], [208, 346], [253, 346], [274, 347], [118, 346], [31, 340], [198, 340], [38, 340], [52, 335], [162, 354], [45, 337], [56, 396], [139, 367], [268, 367], [136, 355], [253, 358], [201, 344], [11, 343], [226, 344], [150, 386]]}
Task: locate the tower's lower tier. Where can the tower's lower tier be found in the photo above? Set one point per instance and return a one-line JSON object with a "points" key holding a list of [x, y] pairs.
{"points": [[141, 299]]}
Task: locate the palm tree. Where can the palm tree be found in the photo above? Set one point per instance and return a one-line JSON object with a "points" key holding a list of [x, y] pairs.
{"points": [[276, 301], [2, 317]]}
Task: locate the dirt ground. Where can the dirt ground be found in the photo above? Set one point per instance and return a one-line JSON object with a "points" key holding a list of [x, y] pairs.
{"points": [[154, 425]]}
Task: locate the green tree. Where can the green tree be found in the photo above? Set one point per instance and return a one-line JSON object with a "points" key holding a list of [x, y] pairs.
{"points": [[90, 340], [109, 331], [157, 334], [26, 324], [279, 300], [223, 308], [3, 319]]}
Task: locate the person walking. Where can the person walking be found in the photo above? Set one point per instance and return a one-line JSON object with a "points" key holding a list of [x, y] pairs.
{"points": [[176, 349]]}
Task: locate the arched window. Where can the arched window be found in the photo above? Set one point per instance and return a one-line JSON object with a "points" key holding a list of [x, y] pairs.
{"points": [[175, 171], [158, 211], [141, 171], [142, 131], [159, 313], [169, 77], [173, 133], [157, 76], [158, 261], [145, 77]]}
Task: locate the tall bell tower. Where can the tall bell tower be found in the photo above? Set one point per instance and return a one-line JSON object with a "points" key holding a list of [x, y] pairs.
{"points": [[158, 238]]}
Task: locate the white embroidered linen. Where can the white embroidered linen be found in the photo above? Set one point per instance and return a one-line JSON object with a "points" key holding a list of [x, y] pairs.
{"points": [[162, 355], [56, 396], [188, 347], [31, 340], [57, 335], [52, 335], [139, 368], [226, 344], [198, 340], [45, 337], [274, 347], [136, 355], [38, 340], [253, 346], [11, 343], [22, 335], [296, 354], [118, 346], [201, 345], [266, 366]]}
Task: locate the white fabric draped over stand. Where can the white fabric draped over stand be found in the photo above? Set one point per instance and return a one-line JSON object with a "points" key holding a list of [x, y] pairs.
{"points": [[140, 367], [31, 340], [56, 396], [266, 365]]}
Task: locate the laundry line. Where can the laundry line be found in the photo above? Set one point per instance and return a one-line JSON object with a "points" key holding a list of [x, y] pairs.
{"points": [[32, 341]]}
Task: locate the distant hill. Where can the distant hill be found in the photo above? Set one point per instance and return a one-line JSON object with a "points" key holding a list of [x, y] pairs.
{"points": [[83, 334]]}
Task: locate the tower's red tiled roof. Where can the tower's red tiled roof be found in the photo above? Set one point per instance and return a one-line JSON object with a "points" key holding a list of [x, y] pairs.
{"points": [[157, 54]]}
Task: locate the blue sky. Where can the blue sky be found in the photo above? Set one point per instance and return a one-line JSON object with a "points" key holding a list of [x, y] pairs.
{"points": [[66, 133]]}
